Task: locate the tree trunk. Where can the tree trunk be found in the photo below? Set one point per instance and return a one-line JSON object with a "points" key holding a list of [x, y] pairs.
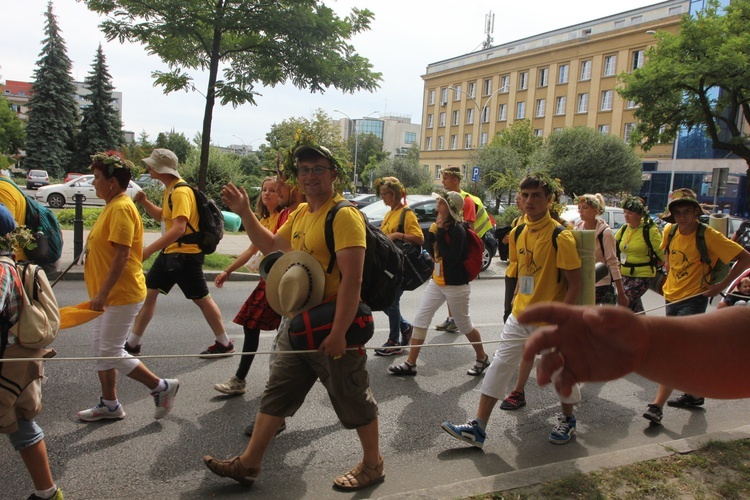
{"points": [[213, 72]]}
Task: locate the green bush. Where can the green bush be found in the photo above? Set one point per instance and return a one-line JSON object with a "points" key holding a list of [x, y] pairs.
{"points": [[66, 216]]}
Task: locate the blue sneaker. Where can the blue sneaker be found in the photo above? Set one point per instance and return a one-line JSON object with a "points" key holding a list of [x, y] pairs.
{"points": [[468, 433], [564, 430]]}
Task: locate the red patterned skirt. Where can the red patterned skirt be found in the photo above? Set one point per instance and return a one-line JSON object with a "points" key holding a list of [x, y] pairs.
{"points": [[256, 313]]}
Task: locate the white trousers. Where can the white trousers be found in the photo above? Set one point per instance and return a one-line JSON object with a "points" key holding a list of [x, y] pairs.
{"points": [[110, 330]]}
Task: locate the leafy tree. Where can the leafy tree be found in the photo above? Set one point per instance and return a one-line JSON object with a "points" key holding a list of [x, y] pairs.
{"points": [[258, 42], [587, 161], [175, 142], [224, 168], [370, 153], [407, 169], [144, 141], [697, 78], [101, 128], [53, 114], [12, 133]]}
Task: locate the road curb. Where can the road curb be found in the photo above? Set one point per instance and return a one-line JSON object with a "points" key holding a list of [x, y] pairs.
{"points": [[551, 472]]}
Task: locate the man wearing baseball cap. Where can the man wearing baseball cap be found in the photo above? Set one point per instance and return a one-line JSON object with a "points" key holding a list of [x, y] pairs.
{"points": [[178, 263]]}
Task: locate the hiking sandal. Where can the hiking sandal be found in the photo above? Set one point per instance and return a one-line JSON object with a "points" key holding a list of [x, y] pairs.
{"points": [[404, 368], [360, 477], [479, 367]]}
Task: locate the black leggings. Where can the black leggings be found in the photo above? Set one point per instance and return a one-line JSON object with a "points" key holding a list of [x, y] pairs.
{"points": [[252, 339]]}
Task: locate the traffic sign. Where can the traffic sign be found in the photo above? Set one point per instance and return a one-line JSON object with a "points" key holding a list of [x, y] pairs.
{"points": [[475, 174]]}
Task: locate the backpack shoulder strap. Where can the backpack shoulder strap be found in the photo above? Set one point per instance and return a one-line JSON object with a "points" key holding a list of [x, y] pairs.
{"points": [[618, 238], [600, 237], [329, 231], [555, 233], [700, 241], [672, 232], [647, 239], [516, 231], [179, 184], [400, 228]]}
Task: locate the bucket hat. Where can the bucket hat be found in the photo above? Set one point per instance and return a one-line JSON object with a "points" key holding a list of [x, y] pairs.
{"points": [[163, 161], [682, 196], [455, 204]]}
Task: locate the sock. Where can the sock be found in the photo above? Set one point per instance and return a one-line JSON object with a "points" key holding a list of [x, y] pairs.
{"points": [[161, 386], [112, 405], [46, 493], [223, 339], [133, 339], [481, 423]]}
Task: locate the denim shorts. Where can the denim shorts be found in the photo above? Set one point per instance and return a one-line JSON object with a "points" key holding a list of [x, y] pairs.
{"points": [[28, 434], [696, 305]]}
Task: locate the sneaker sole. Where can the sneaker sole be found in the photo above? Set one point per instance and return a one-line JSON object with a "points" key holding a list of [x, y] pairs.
{"points": [[511, 407], [231, 392], [461, 437], [216, 355], [682, 405], [652, 418], [559, 441], [393, 353], [97, 419]]}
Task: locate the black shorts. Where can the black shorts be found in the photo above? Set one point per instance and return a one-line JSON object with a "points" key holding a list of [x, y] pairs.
{"points": [[183, 269]]}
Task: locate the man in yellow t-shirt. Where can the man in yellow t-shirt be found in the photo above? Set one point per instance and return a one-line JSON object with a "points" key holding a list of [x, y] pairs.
{"points": [[343, 373], [178, 263], [543, 275]]}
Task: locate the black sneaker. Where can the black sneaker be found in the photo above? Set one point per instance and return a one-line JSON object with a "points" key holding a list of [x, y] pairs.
{"points": [[218, 348], [653, 414], [133, 350], [685, 400]]}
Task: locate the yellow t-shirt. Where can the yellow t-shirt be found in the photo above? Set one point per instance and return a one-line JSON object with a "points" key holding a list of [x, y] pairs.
{"points": [[535, 256], [392, 218], [270, 222], [634, 247], [686, 272], [118, 223], [306, 231], [15, 202], [183, 205], [437, 273]]}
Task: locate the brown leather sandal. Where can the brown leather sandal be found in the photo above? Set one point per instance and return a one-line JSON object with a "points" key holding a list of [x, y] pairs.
{"points": [[360, 477], [232, 468]]}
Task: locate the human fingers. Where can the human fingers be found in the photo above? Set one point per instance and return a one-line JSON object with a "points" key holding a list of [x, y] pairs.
{"points": [[564, 382], [548, 312], [545, 337], [549, 363]]}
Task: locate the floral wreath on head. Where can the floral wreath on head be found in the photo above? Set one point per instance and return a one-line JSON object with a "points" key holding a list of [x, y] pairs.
{"points": [[635, 204], [288, 166], [556, 207], [20, 237], [112, 160], [391, 183], [589, 200]]}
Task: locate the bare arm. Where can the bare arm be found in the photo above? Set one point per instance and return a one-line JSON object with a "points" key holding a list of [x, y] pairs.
{"points": [[237, 200], [240, 261], [604, 343], [122, 253], [575, 286]]}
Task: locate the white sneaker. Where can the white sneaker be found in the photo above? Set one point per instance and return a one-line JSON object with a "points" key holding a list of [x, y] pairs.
{"points": [[232, 386], [101, 412], [164, 400]]}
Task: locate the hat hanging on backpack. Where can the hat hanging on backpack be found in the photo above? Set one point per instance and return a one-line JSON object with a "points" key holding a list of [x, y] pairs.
{"points": [[295, 283]]}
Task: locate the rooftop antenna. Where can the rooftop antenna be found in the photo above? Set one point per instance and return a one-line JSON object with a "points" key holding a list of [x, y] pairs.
{"points": [[489, 28]]}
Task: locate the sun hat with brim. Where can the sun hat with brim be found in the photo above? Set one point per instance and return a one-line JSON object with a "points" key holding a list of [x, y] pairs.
{"points": [[163, 161], [455, 204], [682, 196], [295, 283]]}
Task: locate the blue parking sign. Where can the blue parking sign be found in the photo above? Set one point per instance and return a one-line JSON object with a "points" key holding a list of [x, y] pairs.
{"points": [[475, 174]]}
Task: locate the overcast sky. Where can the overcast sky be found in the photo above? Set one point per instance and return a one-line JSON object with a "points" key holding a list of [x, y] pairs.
{"points": [[406, 36]]}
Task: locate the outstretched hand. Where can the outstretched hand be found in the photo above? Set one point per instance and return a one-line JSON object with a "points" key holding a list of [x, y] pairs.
{"points": [[235, 198], [584, 343]]}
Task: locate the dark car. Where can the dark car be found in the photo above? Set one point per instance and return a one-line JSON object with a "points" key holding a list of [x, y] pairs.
{"points": [[145, 181], [363, 200]]}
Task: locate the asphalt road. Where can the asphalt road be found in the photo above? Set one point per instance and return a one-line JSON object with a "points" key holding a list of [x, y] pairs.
{"points": [[139, 457]]}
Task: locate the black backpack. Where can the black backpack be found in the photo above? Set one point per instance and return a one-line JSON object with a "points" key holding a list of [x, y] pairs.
{"points": [[384, 263], [210, 222], [44, 227]]}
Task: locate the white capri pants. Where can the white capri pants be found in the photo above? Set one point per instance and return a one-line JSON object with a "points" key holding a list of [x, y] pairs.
{"points": [[110, 330], [434, 296], [506, 359]]}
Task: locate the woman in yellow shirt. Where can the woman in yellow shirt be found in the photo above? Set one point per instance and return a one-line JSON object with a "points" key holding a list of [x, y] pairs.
{"points": [[113, 273]]}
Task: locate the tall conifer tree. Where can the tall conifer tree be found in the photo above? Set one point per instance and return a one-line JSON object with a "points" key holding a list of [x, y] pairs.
{"points": [[53, 114]]}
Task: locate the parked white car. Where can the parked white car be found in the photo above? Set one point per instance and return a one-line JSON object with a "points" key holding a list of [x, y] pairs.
{"points": [[57, 195]]}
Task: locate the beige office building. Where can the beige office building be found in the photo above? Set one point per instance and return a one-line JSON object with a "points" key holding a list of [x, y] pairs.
{"points": [[563, 78]]}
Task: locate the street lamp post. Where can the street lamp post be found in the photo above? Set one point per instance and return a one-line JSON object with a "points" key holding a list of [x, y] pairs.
{"points": [[356, 143], [476, 104]]}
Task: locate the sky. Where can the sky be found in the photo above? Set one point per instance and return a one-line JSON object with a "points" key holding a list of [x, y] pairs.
{"points": [[405, 36]]}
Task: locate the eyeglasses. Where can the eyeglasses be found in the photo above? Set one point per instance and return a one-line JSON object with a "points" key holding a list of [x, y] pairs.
{"points": [[302, 172]]}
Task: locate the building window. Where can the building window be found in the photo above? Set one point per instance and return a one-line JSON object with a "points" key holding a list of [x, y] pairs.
{"points": [[486, 114], [431, 97], [583, 103], [437, 172], [557, 129], [620, 23], [454, 141], [629, 128], [539, 132], [523, 80], [429, 120], [521, 110], [441, 142], [429, 144], [504, 83], [636, 19], [483, 139], [560, 105], [472, 90], [610, 62], [637, 61], [674, 11], [456, 92], [442, 119], [562, 73], [467, 141], [631, 104], [470, 116], [502, 113], [444, 95], [540, 105], [488, 86], [543, 77], [410, 137], [454, 121], [585, 70], [606, 100], [604, 129]]}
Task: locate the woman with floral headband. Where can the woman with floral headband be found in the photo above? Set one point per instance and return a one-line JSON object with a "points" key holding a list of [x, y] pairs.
{"points": [[638, 248], [590, 207], [400, 223], [113, 272]]}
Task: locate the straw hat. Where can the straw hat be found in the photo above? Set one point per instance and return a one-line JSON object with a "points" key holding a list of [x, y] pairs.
{"points": [[294, 283]]}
